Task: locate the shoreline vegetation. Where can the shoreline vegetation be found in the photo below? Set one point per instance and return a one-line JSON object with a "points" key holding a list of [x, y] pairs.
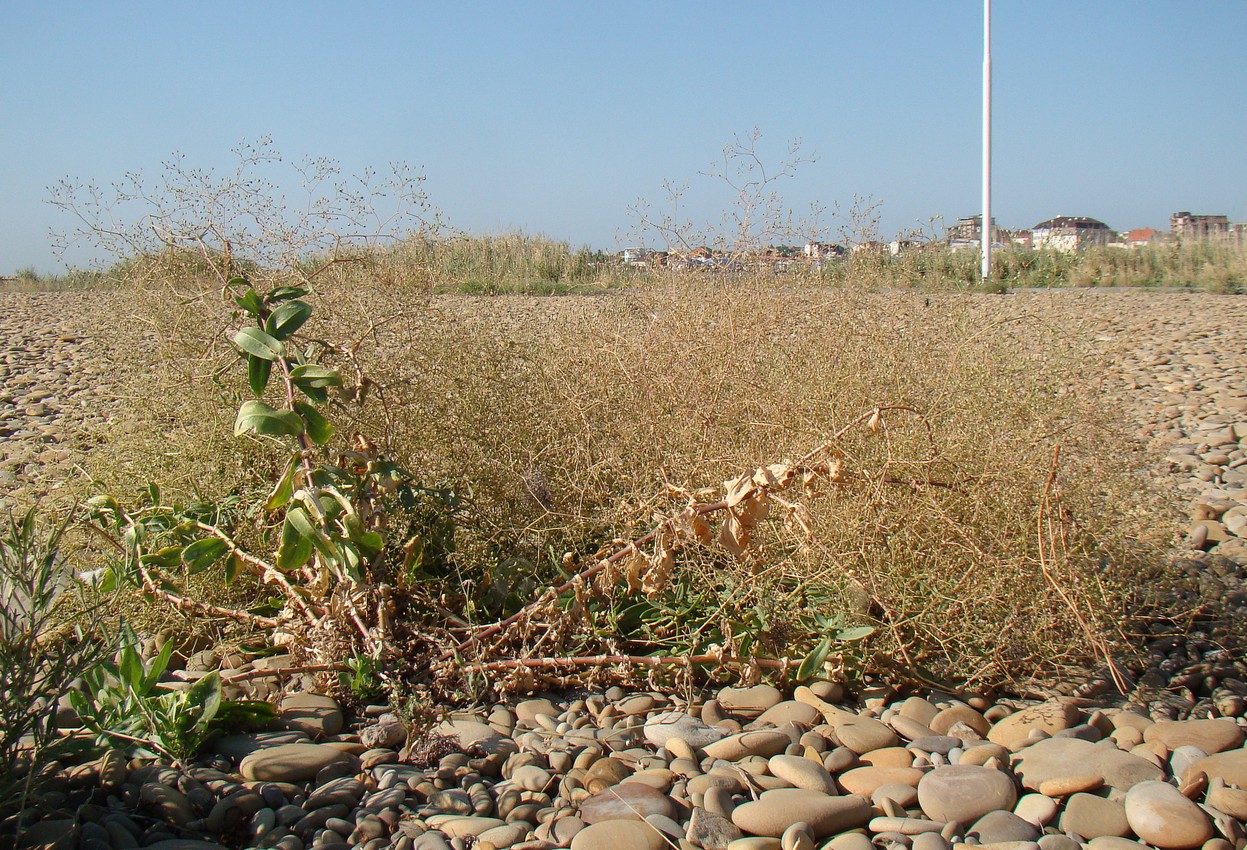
{"points": [[520, 264]]}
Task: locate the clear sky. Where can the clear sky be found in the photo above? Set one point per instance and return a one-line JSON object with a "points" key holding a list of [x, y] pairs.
{"points": [[555, 118]]}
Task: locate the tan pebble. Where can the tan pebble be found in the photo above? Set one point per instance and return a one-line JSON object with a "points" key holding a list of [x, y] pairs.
{"points": [[679, 748], [1064, 786], [1127, 737], [1232, 801], [905, 826], [864, 780], [889, 757], [942, 722], [980, 753]]}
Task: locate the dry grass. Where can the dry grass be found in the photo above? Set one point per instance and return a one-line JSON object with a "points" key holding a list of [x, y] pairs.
{"points": [[575, 422]]}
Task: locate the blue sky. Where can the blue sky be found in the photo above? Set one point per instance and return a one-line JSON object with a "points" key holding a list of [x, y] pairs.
{"points": [[555, 118]]}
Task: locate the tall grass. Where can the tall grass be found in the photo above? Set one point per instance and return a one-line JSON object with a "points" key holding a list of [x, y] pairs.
{"points": [[1208, 266]]}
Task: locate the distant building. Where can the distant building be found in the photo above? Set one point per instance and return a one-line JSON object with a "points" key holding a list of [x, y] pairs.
{"points": [[968, 233], [1143, 236], [823, 250], [1187, 226], [1070, 233]]}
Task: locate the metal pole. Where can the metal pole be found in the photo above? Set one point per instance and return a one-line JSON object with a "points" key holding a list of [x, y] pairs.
{"points": [[987, 140]]}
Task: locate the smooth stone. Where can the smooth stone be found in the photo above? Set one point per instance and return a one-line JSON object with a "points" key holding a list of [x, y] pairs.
{"points": [[965, 793], [167, 803], [1161, 816], [762, 742], [473, 733], [774, 811], [947, 718], [1050, 717], [919, 709], [676, 724], [315, 715], [458, 826], [979, 754], [905, 796], [531, 778], [863, 734], [931, 841], [849, 841], [999, 826], [904, 825], [294, 762], [500, 837], [754, 843], [1059, 758], [1213, 735], [1091, 817], [1109, 842], [1232, 801], [183, 844], [790, 711], [803, 773], [1229, 766], [889, 757], [1036, 809], [749, 702], [237, 747], [627, 801], [619, 835], [1064, 786], [527, 710], [865, 780]]}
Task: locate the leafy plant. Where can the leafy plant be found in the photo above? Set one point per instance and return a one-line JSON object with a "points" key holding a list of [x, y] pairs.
{"points": [[124, 702], [38, 658]]}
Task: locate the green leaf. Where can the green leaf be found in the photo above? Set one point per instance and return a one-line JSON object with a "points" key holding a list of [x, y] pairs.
{"points": [[317, 427], [256, 417], [249, 300], [258, 370], [256, 342], [315, 375], [854, 634], [284, 487], [316, 394], [169, 556], [287, 319], [203, 553], [205, 694], [296, 543], [285, 293], [812, 664], [232, 567], [157, 667]]}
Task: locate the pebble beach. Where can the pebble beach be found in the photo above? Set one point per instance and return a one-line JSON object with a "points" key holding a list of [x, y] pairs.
{"points": [[742, 768]]}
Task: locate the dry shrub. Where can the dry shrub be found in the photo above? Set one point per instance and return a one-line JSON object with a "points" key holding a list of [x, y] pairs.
{"points": [[585, 420], [574, 422]]}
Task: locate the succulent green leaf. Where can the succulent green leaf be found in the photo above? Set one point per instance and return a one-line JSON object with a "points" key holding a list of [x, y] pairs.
{"points": [[315, 375], [317, 427], [812, 664], [256, 342], [854, 634], [249, 300], [256, 417], [284, 487], [287, 319], [203, 553], [258, 370], [296, 546]]}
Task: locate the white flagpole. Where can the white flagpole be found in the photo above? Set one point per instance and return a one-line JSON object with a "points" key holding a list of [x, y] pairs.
{"points": [[987, 140]]}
